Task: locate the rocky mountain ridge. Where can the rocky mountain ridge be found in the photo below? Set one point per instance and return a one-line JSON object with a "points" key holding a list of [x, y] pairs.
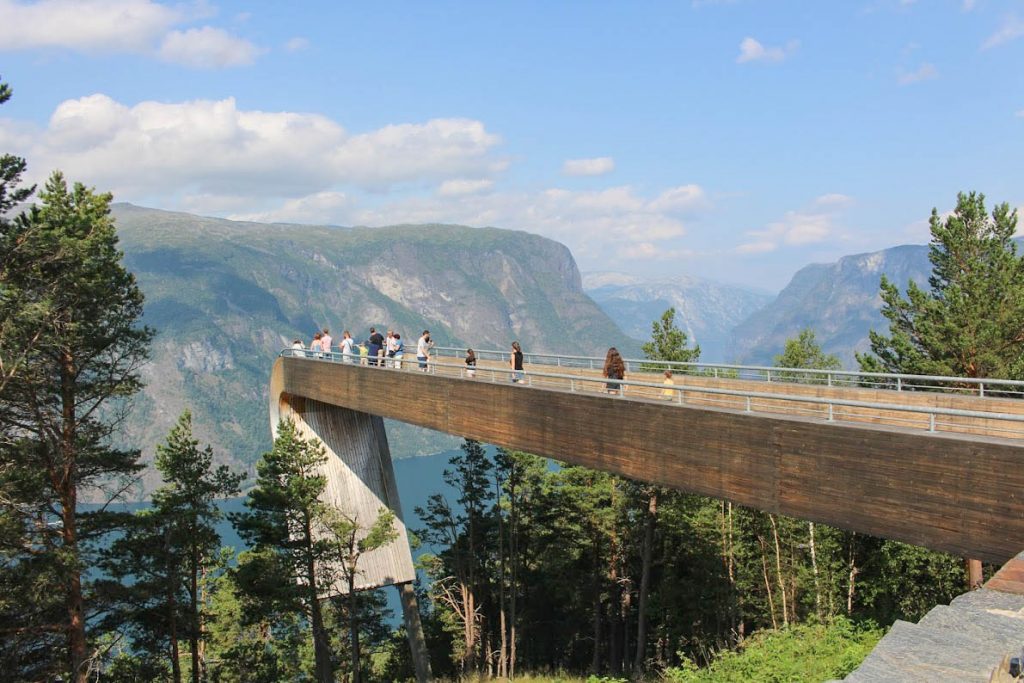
{"points": [[226, 296]]}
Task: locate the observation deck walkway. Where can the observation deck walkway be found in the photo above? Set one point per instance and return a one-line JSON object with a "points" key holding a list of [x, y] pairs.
{"points": [[936, 462]]}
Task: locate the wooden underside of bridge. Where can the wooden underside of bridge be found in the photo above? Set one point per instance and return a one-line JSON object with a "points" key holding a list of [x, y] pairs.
{"points": [[960, 493]]}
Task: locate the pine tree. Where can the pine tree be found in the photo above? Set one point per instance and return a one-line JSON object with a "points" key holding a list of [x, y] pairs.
{"points": [[668, 343], [294, 559], [971, 322], [803, 351], [355, 540], [73, 311], [160, 566]]}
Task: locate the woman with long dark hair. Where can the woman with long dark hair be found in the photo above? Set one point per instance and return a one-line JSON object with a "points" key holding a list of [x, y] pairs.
{"points": [[614, 368]]}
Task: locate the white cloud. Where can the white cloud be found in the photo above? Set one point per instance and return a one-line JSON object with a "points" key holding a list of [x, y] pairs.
{"points": [[84, 25], [810, 225], [1020, 114], [753, 51], [321, 207], [212, 148], [761, 247], [1011, 29], [834, 199], [132, 26], [207, 48], [463, 186], [925, 72], [588, 167], [438, 149], [968, 5], [296, 44], [680, 199], [615, 222], [596, 166]]}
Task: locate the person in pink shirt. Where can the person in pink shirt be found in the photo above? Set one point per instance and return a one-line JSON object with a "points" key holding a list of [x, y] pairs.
{"points": [[325, 342]]}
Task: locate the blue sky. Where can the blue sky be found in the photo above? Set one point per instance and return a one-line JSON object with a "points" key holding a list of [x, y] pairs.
{"points": [[732, 140]]}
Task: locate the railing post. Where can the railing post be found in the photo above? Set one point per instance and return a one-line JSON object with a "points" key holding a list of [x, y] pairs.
{"points": [[828, 378], [931, 422], [748, 404], [899, 384], [769, 375], [831, 417], [572, 386], [981, 389], [716, 373]]}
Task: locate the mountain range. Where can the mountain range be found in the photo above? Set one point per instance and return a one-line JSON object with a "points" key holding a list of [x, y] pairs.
{"points": [[840, 301], [706, 310], [226, 296]]}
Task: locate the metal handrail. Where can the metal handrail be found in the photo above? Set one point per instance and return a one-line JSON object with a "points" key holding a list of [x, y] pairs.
{"points": [[765, 373], [829, 404]]}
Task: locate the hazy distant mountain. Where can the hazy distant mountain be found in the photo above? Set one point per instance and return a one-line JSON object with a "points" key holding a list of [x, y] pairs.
{"points": [[840, 301], [225, 296], [706, 310]]}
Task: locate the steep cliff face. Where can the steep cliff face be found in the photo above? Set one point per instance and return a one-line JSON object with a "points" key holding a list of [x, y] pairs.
{"points": [[225, 296], [707, 311], [840, 301]]}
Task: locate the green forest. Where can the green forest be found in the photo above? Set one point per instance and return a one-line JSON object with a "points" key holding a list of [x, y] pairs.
{"points": [[537, 570]]}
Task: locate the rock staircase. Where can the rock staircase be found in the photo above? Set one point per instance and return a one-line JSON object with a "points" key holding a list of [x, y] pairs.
{"points": [[971, 639]]}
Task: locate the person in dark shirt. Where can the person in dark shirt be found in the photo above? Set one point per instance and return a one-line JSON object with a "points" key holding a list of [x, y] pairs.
{"points": [[516, 361], [376, 343]]}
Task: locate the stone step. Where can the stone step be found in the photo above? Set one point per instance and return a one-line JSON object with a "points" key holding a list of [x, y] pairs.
{"points": [[1003, 628], [910, 652]]}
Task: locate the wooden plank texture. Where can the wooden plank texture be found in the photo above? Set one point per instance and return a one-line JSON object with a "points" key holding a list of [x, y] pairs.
{"points": [[960, 493]]}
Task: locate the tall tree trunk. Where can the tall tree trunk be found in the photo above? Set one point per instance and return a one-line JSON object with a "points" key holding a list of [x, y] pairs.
{"points": [[852, 577], [502, 626], [321, 642], [353, 624], [645, 582], [595, 664], [778, 570], [172, 619], [814, 568], [65, 481], [193, 636], [614, 612], [767, 582], [514, 578], [202, 626]]}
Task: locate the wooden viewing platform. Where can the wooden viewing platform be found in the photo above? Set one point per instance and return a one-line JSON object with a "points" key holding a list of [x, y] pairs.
{"points": [[874, 470]]}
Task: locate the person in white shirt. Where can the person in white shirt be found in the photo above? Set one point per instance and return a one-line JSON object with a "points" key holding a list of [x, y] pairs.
{"points": [[346, 347], [423, 350]]}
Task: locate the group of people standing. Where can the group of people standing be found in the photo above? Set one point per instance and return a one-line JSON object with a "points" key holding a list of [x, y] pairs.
{"points": [[376, 350], [389, 351]]}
